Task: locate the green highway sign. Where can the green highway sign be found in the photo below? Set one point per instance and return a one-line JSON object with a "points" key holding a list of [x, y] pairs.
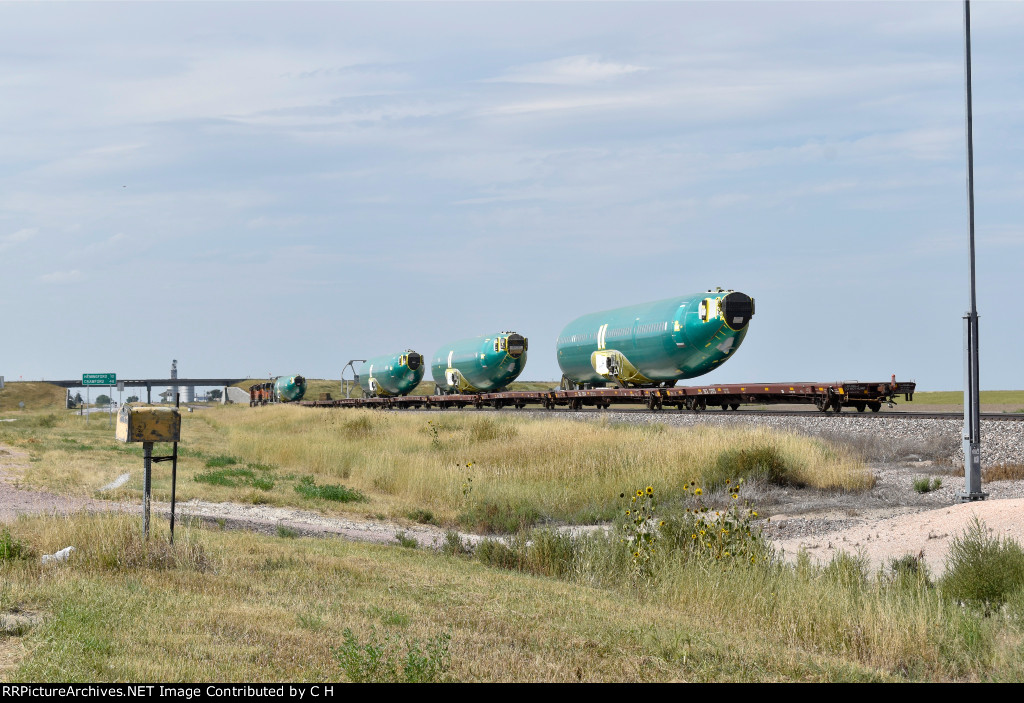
{"points": [[99, 379]]}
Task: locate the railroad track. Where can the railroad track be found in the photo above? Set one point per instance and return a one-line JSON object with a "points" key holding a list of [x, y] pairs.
{"points": [[903, 414]]}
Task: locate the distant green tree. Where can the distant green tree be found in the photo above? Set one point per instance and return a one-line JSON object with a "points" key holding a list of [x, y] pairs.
{"points": [[132, 399], [78, 399], [102, 400], [215, 394]]}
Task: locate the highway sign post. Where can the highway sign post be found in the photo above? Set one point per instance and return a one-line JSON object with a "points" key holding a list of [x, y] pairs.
{"points": [[98, 379]]}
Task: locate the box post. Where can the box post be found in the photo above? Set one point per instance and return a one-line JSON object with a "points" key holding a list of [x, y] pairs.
{"points": [[147, 485]]}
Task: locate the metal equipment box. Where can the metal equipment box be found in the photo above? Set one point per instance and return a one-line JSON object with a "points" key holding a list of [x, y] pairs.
{"points": [[142, 423]]}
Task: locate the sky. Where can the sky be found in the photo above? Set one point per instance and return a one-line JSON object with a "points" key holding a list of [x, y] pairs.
{"points": [[255, 188]]}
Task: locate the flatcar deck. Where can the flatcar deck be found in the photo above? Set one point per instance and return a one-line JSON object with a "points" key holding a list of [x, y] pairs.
{"points": [[824, 396]]}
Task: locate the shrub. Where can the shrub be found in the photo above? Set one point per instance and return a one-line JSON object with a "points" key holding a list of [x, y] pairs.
{"points": [[307, 487], [232, 478], [847, 570], [718, 535], [492, 552], [453, 544], [499, 517], [12, 549], [287, 532], [983, 568], [541, 552], [406, 541], [486, 430], [222, 460], [379, 661], [926, 485], [763, 462], [910, 570], [638, 531], [421, 515]]}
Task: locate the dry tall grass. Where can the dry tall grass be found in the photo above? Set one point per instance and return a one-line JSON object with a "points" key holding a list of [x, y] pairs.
{"points": [[484, 470], [569, 470]]}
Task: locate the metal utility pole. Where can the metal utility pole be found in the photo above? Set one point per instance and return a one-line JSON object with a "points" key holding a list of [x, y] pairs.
{"points": [[972, 404]]}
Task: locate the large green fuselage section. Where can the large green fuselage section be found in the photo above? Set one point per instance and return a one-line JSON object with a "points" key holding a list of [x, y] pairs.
{"points": [[651, 343], [391, 374], [290, 389], [479, 364]]}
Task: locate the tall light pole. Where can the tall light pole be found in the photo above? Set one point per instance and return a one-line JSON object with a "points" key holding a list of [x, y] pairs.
{"points": [[972, 404]]}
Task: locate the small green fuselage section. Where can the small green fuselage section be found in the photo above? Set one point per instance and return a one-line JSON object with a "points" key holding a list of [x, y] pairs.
{"points": [[391, 374], [480, 364], [289, 389], [655, 343]]}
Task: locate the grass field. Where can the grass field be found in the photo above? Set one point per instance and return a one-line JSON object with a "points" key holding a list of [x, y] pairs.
{"points": [[956, 398], [223, 605], [230, 606], [479, 471], [35, 395]]}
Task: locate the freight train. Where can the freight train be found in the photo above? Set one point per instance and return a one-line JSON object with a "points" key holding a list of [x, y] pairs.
{"points": [[633, 354], [283, 389]]}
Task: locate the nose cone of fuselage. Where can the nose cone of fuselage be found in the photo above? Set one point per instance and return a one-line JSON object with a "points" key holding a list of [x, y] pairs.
{"points": [[516, 345], [737, 309]]}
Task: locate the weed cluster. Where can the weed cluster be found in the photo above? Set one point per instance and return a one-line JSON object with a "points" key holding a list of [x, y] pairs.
{"points": [[12, 549], [542, 551], [719, 535], [453, 544], [406, 541], [638, 531], [982, 568], [762, 461], [423, 516], [926, 485], [235, 477], [308, 488], [381, 661]]}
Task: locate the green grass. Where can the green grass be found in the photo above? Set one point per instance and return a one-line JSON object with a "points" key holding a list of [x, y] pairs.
{"points": [[957, 398], [983, 568], [228, 605], [307, 487], [926, 485]]}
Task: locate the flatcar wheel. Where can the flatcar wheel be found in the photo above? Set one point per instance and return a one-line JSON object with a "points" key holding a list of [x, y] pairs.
{"points": [[735, 406], [822, 404], [699, 405], [837, 406], [725, 406], [861, 407], [875, 406]]}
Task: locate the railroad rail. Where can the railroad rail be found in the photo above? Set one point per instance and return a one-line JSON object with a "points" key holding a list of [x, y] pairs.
{"points": [[826, 397]]}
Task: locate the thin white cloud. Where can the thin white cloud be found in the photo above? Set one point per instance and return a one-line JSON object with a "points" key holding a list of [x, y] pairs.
{"points": [[570, 70], [61, 278], [15, 238]]}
